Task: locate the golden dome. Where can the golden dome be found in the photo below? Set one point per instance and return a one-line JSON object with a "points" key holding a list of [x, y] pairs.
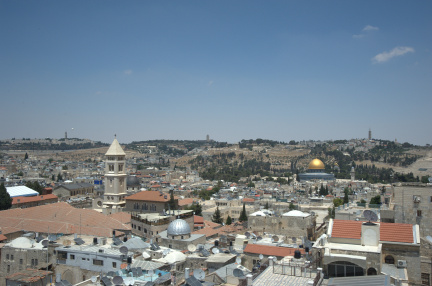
{"points": [[316, 164]]}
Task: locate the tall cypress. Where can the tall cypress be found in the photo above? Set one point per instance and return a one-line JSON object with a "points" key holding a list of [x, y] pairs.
{"points": [[5, 199]]}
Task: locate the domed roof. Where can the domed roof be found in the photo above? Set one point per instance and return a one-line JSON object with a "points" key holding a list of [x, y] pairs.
{"points": [[178, 227], [132, 181], [316, 164], [296, 213]]}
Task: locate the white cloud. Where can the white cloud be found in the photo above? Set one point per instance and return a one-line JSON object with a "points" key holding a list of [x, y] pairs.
{"points": [[370, 28], [128, 72], [396, 52]]}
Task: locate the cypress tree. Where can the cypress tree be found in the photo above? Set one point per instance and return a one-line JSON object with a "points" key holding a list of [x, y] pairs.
{"points": [[228, 220], [243, 215], [5, 199], [217, 216]]}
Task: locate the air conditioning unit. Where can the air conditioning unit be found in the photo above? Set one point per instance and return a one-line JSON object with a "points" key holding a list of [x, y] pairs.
{"points": [[416, 199], [401, 264]]}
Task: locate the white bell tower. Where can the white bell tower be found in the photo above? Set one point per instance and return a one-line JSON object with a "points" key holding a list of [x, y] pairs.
{"points": [[115, 179]]}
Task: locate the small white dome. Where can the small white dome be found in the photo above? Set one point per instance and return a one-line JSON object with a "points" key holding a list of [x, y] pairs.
{"points": [[296, 213], [174, 256]]}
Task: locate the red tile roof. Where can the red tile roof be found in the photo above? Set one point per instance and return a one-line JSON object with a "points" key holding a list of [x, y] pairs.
{"points": [[186, 202], [2, 237], [149, 196], [392, 232], [22, 199], [208, 231], [59, 218], [122, 217], [248, 200], [271, 250], [198, 219]]}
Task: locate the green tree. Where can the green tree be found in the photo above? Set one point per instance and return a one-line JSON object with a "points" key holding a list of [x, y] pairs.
{"points": [[346, 198], [228, 220], [26, 156], [35, 186], [196, 207], [172, 203], [362, 201], [376, 200], [337, 202], [5, 199], [292, 206], [243, 214], [332, 212], [217, 216], [251, 185], [65, 167], [53, 178], [266, 206], [59, 177]]}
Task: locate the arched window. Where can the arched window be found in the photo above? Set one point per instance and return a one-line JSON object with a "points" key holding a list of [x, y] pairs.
{"points": [[371, 271], [343, 269], [389, 259]]}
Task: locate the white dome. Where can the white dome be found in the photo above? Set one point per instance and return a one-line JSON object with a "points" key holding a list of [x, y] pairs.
{"points": [[23, 242], [174, 256], [178, 227], [296, 213]]}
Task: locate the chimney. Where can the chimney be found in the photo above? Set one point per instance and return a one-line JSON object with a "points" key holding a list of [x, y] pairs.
{"points": [[249, 279], [271, 260], [370, 234]]}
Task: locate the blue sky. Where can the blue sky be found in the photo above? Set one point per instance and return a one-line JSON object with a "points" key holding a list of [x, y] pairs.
{"points": [[235, 70]]}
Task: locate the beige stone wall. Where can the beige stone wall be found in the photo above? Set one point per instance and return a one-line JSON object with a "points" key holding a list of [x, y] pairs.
{"points": [[426, 260], [17, 259], [138, 206], [406, 210], [288, 226], [73, 274], [411, 254], [149, 231]]}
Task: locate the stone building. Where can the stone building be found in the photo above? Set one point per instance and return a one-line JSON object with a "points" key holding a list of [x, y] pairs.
{"points": [[178, 236], [77, 263], [29, 277], [252, 254], [66, 191], [355, 248], [23, 253], [27, 202], [291, 224], [115, 179], [149, 225], [149, 202], [413, 205]]}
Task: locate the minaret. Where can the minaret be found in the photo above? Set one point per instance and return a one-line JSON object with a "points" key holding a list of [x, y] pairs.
{"points": [[370, 134], [352, 174], [115, 179]]}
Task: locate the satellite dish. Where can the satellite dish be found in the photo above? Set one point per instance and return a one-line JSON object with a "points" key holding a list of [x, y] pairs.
{"points": [[124, 250], [238, 260], [370, 215], [67, 242], [259, 238], [111, 274], [238, 273], [199, 274], [128, 281], [215, 250], [191, 247], [274, 258], [275, 238], [247, 234], [45, 242], [93, 279], [165, 252], [261, 256], [117, 280]]}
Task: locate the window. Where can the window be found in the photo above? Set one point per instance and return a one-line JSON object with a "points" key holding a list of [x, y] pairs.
{"points": [[419, 213], [120, 166], [12, 258], [36, 262], [114, 264], [170, 246], [111, 167], [8, 268], [21, 261], [97, 262], [83, 259], [72, 256], [389, 259], [7, 256]]}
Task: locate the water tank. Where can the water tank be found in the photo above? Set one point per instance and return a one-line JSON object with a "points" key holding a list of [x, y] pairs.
{"points": [[297, 254]]}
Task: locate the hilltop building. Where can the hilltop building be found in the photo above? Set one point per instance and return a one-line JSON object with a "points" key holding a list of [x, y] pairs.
{"points": [[115, 179], [316, 172]]}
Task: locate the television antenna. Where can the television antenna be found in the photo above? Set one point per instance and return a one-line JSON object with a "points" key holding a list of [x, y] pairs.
{"points": [[370, 215], [199, 274]]}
